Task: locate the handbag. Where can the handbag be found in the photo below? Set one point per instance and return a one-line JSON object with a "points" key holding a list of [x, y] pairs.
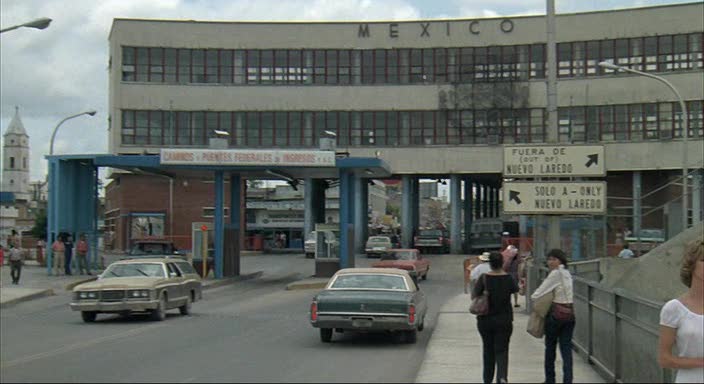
{"points": [[536, 321], [536, 325], [480, 304], [562, 312]]}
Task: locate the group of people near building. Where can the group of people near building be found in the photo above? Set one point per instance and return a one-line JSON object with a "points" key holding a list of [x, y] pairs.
{"points": [[62, 250], [681, 336]]}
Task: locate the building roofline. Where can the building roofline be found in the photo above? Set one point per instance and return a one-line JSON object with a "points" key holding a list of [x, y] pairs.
{"points": [[285, 22]]}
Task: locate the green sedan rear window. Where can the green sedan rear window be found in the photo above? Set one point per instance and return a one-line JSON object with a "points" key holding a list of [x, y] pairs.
{"points": [[369, 281]]}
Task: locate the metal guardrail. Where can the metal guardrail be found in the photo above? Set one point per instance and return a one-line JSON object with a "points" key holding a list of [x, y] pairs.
{"points": [[616, 330]]}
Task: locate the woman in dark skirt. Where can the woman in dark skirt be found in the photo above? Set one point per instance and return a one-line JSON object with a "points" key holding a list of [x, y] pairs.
{"points": [[496, 326]]}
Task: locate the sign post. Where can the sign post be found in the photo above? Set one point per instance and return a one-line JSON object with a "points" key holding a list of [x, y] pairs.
{"points": [[204, 240]]}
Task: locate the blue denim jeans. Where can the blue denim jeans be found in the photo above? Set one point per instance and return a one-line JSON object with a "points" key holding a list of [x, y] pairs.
{"points": [[557, 331]]}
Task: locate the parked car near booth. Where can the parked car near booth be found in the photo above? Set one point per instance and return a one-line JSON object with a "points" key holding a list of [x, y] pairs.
{"points": [[153, 248], [148, 285], [649, 239], [378, 246], [410, 260], [370, 300]]}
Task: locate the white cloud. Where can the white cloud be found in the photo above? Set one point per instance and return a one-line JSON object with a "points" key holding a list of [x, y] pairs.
{"points": [[61, 71]]}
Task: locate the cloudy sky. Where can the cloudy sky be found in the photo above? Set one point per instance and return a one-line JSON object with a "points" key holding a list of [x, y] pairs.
{"points": [[60, 71]]}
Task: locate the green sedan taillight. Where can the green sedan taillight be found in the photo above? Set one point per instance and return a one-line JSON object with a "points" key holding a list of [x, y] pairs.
{"points": [[411, 314], [314, 311]]}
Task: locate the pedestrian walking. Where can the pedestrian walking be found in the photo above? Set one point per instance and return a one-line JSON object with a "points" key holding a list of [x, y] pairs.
{"points": [[511, 262], [560, 320], [476, 271], [68, 253], [15, 263], [82, 255], [59, 260], [682, 321], [496, 326]]}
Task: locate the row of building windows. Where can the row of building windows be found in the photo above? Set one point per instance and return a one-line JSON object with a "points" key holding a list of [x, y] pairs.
{"points": [[651, 121], [406, 66]]}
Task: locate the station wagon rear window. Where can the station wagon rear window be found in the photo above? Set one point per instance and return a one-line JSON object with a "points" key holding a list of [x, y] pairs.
{"points": [[134, 270], [370, 281]]}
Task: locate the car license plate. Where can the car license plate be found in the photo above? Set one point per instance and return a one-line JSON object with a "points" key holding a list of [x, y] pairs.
{"points": [[361, 323]]}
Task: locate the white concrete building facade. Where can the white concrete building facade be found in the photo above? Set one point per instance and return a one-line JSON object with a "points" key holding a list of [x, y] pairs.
{"points": [[453, 91]]}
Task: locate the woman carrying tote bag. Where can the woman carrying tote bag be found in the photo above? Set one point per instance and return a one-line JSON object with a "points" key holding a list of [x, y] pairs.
{"points": [[560, 320], [496, 326]]}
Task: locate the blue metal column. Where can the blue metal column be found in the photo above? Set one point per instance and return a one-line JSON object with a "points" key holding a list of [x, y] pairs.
{"points": [[497, 203], [237, 206], [478, 203], [456, 214], [468, 200], [361, 217], [406, 211], [308, 216], [636, 204], [491, 201], [347, 181], [52, 219], [219, 222], [415, 203], [485, 200]]}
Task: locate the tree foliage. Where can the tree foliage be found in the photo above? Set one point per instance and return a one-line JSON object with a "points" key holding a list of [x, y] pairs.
{"points": [[39, 229]]}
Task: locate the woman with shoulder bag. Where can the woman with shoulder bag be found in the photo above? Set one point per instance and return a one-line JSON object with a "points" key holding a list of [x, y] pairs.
{"points": [[560, 320], [496, 326]]}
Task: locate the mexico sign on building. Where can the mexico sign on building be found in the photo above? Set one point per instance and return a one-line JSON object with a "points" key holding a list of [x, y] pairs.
{"points": [[554, 197], [554, 161]]}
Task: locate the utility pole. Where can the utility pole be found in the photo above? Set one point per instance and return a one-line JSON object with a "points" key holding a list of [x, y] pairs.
{"points": [[553, 221]]}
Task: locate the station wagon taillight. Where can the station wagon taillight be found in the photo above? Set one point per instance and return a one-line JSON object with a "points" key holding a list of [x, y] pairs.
{"points": [[314, 311], [411, 314]]}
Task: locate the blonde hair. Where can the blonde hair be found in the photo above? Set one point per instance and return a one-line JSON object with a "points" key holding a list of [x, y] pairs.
{"points": [[693, 252]]}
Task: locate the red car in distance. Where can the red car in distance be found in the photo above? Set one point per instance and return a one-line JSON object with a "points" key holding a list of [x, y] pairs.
{"points": [[409, 259]]}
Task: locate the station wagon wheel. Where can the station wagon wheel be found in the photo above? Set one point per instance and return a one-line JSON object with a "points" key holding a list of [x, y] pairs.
{"points": [[325, 335], [186, 308], [159, 313], [88, 316], [425, 275]]}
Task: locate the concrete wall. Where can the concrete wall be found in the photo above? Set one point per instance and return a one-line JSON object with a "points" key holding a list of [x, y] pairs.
{"points": [[656, 275]]}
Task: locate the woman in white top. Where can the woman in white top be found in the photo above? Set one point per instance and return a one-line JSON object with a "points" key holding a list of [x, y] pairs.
{"points": [[682, 321], [560, 321]]}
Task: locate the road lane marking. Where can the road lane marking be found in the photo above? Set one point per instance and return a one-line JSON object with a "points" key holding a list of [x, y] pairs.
{"points": [[77, 346]]}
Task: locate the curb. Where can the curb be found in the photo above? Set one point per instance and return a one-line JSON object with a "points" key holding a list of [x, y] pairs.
{"points": [[231, 280], [36, 295], [303, 285]]}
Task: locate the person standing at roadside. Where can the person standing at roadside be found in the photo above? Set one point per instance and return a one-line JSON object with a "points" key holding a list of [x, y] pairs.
{"points": [[15, 263], [82, 255], [682, 321], [496, 326], [68, 253], [560, 321], [625, 252], [58, 248]]}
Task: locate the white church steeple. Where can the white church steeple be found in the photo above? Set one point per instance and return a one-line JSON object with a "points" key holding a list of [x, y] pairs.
{"points": [[15, 177]]}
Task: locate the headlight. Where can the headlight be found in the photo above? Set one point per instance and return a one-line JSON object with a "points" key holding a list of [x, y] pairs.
{"points": [[83, 295], [92, 295], [86, 295], [138, 294]]}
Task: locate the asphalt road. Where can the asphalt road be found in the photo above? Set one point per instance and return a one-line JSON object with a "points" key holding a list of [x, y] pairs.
{"points": [[251, 331]]}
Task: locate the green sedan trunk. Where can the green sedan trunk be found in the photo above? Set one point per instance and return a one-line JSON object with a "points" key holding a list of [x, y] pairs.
{"points": [[361, 301]]}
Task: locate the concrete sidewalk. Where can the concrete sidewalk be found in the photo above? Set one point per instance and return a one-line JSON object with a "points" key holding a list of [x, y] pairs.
{"points": [[454, 353]]}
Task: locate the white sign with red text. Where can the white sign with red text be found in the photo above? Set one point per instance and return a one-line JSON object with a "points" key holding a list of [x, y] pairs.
{"points": [[245, 157]]}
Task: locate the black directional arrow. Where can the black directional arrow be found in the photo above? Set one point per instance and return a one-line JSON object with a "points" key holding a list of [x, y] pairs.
{"points": [[593, 159], [513, 195]]}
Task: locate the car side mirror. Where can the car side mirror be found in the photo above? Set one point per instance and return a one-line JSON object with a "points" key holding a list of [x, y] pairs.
{"points": [[173, 274]]}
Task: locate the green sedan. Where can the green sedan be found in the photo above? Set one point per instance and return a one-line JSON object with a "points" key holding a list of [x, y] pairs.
{"points": [[370, 300]]}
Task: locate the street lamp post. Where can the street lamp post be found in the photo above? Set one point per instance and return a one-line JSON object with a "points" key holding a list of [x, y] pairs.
{"points": [[685, 131], [38, 24], [53, 134]]}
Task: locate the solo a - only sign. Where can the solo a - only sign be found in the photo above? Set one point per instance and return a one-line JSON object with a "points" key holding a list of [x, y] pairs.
{"points": [[554, 161], [554, 197]]}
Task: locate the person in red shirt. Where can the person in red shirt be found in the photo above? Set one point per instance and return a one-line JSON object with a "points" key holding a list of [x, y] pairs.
{"points": [[82, 253], [58, 254]]}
